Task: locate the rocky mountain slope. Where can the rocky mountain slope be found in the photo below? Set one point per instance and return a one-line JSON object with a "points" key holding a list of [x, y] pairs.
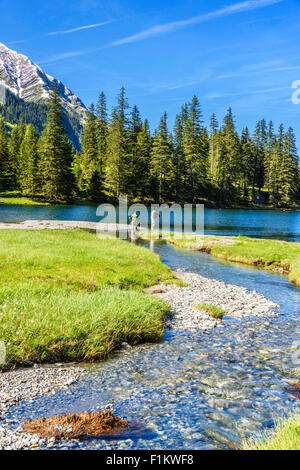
{"points": [[29, 84]]}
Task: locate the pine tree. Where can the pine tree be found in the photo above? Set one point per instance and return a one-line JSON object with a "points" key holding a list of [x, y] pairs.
{"points": [[14, 154], [21, 129], [214, 125], [195, 150], [179, 157], [102, 132], [269, 147], [28, 163], [260, 140], [117, 161], [276, 164], [161, 162], [135, 126], [90, 144], [289, 168], [4, 157], [229, 162], [142, 166], [56, 155], [248, 153], [95, 187]]}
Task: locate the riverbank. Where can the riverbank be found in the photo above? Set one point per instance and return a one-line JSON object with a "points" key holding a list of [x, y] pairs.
{"points": [[15, 197], [273, 255], [66, 295]]}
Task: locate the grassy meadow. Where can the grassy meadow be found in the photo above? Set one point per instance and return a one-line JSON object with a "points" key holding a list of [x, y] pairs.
{"points": [[67, 295]]}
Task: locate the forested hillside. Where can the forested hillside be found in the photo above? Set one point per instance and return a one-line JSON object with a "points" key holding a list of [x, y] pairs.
{"points": [[190, 164], [35, 113], [120, 156]]}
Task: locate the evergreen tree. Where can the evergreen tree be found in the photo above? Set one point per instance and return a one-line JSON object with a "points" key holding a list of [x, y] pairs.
{"points": [[117, 161], [28, 166], [95, 187], [289, 168], [14, 154], [90, 144], [161, 162], [276, 164], [135, 126], [179, 156], [56, 155], [269, 147], [142, 166], [248, 155], [102, 132], [214, 125], [4, 157], [260, 140], [194, 150], [122, 157], [229, 162]]}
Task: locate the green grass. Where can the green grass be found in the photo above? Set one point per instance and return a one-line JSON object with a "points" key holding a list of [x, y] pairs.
{"points": [[213, 310], [286, 436], [277, 256], [67, 295], [273, 255], [14, 197]]}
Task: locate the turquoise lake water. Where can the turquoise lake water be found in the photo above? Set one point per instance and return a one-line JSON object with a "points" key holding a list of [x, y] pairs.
{"points": [[253, 223]]}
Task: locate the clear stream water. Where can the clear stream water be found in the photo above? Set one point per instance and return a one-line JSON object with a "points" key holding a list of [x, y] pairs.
{"points": [[195, 391]]}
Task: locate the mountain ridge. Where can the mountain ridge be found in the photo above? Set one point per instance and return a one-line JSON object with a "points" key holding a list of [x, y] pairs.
{"points": [[25, 89], [28, 81]]}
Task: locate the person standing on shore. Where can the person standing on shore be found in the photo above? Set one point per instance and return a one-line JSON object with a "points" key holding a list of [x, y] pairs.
{"points": [[134, 221]]}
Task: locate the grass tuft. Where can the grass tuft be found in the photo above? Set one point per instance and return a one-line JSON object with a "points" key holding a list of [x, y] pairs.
{"points": [[286, 436], [213, 310]]}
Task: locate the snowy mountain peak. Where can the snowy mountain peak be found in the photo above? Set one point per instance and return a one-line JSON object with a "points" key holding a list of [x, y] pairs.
{"points": [[28, 81]]}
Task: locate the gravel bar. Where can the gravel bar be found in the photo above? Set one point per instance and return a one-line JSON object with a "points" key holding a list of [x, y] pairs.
{"points": [[236, 301]]}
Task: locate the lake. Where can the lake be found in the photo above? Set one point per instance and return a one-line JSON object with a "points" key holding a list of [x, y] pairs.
{"points": [[252, 223]]}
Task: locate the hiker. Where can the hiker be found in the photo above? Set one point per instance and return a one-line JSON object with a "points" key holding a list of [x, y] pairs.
{"points": [[134, 222]]}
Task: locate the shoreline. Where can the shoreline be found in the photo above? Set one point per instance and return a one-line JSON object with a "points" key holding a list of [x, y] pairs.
{"points": [[276, 256]]}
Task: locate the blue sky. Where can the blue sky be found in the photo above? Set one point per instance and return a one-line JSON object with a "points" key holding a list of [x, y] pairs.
{"points": [[240, 54]]}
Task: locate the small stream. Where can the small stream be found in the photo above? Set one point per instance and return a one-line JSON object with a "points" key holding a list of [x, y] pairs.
{"points": [[193, 391]]}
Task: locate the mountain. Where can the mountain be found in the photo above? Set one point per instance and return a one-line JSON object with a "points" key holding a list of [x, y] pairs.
{"points": [[26, 88]]}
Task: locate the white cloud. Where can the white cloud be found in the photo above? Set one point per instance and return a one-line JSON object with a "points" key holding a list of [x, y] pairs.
{"points": [[79, 28], [66, 55], [175, 25]]}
